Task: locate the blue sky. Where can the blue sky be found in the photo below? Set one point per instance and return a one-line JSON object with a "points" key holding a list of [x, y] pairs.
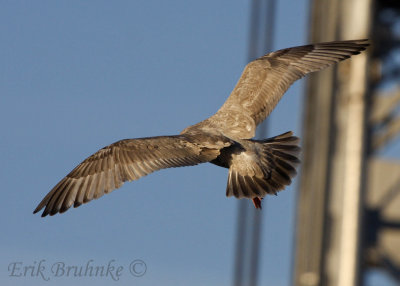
{"points": [[79, 75]]}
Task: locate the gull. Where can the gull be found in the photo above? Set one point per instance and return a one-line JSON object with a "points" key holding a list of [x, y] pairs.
{"points": [[256, 167]]}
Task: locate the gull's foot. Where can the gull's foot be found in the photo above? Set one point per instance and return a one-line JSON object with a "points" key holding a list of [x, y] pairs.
{"points": [[257, 203]]}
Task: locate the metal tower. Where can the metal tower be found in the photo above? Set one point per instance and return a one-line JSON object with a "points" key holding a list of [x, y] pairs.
{"points": [[348, 216]]}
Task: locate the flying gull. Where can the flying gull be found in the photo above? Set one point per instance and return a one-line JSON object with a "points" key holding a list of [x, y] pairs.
{"points": [[256, 167]]}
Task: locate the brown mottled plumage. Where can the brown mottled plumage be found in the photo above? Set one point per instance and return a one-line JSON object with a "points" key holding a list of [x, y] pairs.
{"points": [[256, 167]]}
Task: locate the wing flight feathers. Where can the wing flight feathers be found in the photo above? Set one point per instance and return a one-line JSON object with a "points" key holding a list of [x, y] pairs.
{"points": [[125, 160], [265, 80]]}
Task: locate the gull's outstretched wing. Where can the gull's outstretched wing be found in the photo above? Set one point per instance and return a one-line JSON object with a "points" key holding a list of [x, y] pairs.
{"points": [[265, 80], [125, 160]]}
